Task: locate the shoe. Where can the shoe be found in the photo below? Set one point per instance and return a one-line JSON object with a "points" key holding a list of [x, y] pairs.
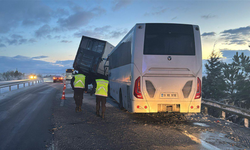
{"points": [[79, 109]]}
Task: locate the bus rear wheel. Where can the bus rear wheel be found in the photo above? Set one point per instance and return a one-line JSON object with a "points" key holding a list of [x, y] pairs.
{"points": [[120, 101]]}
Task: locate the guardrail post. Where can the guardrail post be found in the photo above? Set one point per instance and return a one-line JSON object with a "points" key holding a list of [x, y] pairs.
{"points": [[9, 88], [28, 83], [24, 85], [18, 86], [223, 114], [246, 122]]}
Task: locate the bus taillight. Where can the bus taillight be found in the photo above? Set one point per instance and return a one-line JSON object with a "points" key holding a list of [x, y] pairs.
{"points": [[198, 93], [137, 89]]}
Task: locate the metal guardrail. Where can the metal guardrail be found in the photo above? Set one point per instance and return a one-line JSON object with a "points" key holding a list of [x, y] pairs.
{"points": [[4, 84], [228, 108]]}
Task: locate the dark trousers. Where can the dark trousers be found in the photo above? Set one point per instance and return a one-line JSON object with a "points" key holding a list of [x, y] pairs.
{"points": [[78, 96], [100, 99]]}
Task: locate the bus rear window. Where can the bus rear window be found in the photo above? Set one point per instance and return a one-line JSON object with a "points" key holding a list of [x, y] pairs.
{"points": [[169, 39]]}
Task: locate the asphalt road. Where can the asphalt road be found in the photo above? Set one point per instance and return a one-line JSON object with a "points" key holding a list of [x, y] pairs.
{"points": [[25, 117]]}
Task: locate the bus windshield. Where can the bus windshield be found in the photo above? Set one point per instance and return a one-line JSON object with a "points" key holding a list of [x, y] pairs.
{"points": [[169, 39], [69, 70]]}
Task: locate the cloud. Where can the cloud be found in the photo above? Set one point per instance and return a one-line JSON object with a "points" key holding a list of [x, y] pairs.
{"points": [[39, 57], [102, 29], [80, 18], [65, 41], [30, 65], [104, 32], [238, 36], [16, 13], [158, 11], [57, 37], [208, 16], [49, 36], [116, 34], [20, 57], [241, 30], [208, 34], [230, 53], [16, 39], [2, 45], [43, 30], [32, 40], [118, 4], [65, 63], [61, 12]]}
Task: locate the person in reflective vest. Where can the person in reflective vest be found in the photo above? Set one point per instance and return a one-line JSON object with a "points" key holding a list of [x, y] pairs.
{"points": [[101, 94], [78, 85]]}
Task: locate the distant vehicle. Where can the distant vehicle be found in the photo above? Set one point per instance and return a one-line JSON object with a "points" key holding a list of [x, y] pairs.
{"points": [[89, 57], [157, 68], [69, 74], [57, 79], [32, 76]]}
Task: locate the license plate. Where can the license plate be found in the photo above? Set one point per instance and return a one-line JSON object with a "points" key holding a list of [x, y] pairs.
{"points": [[169, 95]]}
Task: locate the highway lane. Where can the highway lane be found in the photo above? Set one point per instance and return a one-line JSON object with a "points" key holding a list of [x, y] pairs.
{"points": [[25, 117]]}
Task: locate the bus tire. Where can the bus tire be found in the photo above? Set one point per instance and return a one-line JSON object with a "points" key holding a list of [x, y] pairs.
{"points": [[120, 100]]}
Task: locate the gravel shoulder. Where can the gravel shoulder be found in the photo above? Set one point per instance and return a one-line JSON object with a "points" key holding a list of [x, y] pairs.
{"points": [[124, 130]]}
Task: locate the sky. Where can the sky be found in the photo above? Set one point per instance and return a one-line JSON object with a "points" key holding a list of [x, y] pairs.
{"points": [[42, 36]]}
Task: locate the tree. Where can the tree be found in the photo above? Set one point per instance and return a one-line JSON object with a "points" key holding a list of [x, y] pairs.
{"points": [[230, 74], [214, 85], [11, 75], [237, 79], [242, 63]]}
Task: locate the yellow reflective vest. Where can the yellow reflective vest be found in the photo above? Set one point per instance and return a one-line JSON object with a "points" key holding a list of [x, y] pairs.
{"points": [[102, 87], [79, 81]]}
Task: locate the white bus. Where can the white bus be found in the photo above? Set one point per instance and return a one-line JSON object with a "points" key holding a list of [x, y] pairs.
{"points": [[157, 67], [69, 74]]}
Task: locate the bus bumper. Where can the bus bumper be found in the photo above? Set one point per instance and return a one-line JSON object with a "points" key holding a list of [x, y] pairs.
{"points": [[153, 107]]}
